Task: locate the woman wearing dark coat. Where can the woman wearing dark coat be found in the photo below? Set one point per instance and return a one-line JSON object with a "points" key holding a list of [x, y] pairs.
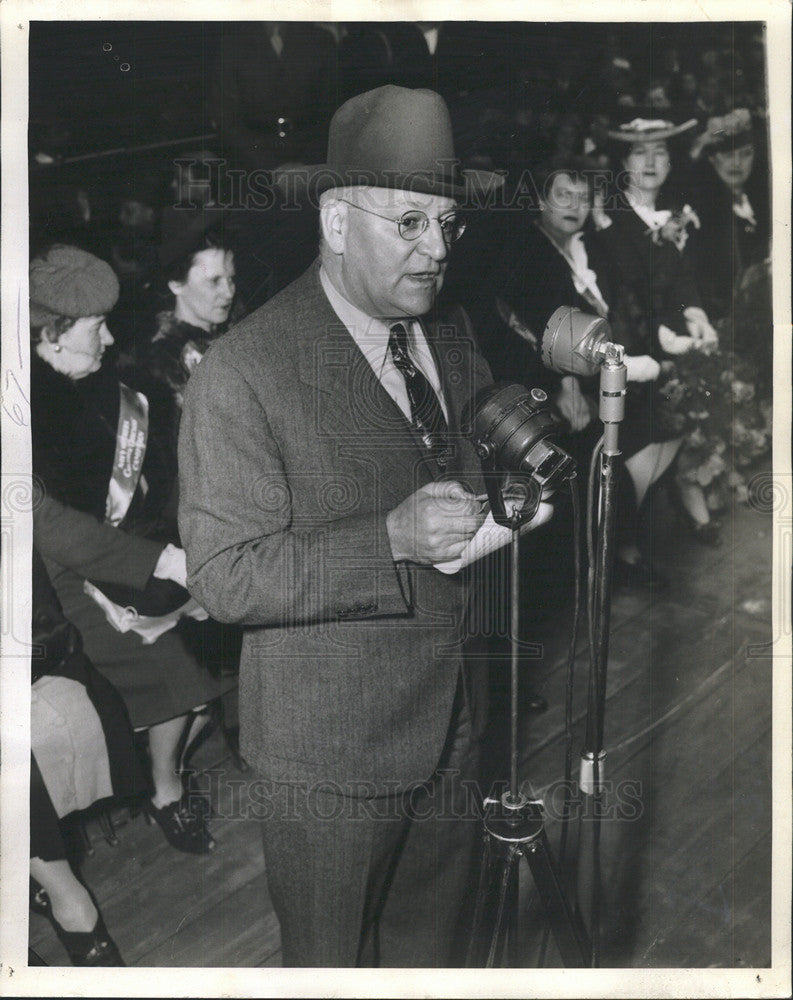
{"points": [[729, 191], [197, 268], [657, 308], [107, 474], [552, 261]]}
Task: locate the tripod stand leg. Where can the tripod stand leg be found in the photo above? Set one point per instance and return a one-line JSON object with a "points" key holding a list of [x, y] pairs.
{"points": [[515, 960], [568, 930], [472, 960], [494, 900]]}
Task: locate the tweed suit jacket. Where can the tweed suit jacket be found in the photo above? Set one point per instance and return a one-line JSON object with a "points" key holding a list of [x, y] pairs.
{"points": [[291, 454]]}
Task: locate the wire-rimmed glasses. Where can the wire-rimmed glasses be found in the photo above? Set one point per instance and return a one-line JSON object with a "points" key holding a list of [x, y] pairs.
{"points": [[414, 222]]}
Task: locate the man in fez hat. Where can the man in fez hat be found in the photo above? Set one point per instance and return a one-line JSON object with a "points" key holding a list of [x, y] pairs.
{"points": [[324, 474]]}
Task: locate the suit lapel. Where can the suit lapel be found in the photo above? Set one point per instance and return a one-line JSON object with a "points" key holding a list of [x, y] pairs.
{"points": [[351, 407], [453, 350]]}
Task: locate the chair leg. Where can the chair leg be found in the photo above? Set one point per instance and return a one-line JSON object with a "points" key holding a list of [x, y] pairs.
{"points": [[107, 827], [85, 840], [191, 745]]}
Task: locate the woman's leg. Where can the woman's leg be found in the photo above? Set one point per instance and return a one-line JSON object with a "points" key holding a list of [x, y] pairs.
{"points": [[693, 500], [181, 818], [644, 469], [648, 465], [71, 902], [164, 741]]}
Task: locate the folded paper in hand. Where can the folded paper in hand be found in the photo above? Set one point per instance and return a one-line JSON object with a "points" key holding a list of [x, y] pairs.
{"points": [[491, 536], [148, 628]]}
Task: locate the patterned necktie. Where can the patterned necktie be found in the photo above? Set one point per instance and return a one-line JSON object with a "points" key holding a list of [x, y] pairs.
{"points": [[427, 414]]}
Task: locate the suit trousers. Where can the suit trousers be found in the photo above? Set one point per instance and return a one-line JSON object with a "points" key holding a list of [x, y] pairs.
{"points": [[382, 881]]}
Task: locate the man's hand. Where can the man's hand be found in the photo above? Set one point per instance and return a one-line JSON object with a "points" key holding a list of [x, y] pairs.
{"points": [[642, 368], [573, 404], [434, 524]]}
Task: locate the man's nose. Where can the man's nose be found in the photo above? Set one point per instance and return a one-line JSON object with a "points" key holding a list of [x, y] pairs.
{"points": [[432, 241], [106, 336]]}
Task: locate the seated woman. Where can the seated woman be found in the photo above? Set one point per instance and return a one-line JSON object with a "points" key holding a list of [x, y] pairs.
{"points": [[552, 260], [197, 268], [657, 303], [555, 261], [730, 193], [109, 512], [81, 753]]}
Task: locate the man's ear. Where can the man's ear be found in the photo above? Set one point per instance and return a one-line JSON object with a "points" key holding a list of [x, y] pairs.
{"points": [[175, 287], [333, 220]]}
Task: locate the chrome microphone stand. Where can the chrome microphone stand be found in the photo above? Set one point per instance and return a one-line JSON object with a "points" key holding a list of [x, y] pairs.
{"points": [[613, 378], [573, 343]]}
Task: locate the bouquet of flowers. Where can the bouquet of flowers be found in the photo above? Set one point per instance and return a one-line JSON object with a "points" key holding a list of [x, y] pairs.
{"points": [[709, 398]]}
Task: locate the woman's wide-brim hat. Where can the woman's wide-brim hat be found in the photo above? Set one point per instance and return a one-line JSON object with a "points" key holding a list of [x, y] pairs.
{"points": [[396, 137], [729, 132], [649, 130]]}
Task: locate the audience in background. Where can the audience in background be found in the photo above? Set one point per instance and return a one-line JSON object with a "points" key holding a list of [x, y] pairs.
{"points": [[107, 528], [670, 243]]}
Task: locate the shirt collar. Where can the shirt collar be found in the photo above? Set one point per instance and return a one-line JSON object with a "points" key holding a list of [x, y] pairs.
{"points": [[655, 218], [370, 334]]}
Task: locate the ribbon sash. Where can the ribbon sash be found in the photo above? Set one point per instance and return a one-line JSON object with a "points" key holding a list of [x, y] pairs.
{"points": [[131, 437]]}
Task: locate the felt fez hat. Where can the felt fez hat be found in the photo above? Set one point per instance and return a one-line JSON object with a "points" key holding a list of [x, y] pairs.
{"points": [[395, 137], [649, 130]]}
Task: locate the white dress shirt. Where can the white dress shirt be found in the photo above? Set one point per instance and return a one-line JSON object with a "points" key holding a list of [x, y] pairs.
{"points": [[372, 335]]}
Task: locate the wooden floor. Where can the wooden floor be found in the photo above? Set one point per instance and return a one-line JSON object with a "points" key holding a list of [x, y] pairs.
{"points": [[686, 837]]}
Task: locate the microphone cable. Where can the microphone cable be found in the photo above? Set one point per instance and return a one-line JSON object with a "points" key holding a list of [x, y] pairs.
{"points": [[568, 702]]}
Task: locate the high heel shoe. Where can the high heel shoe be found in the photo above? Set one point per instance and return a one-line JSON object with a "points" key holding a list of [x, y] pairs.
{"points": [[184, 828], [85, 948], [39, 900], [708, 533], [92, 948]]}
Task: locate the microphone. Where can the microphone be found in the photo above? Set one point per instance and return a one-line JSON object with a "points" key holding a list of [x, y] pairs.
{"points": [[576, 343], [513, 430]]}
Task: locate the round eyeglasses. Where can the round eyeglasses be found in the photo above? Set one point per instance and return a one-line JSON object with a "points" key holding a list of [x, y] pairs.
{"points": [[413, 223]]}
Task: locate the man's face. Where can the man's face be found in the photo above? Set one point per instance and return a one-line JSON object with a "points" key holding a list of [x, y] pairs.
{"points": [[383, 274]]}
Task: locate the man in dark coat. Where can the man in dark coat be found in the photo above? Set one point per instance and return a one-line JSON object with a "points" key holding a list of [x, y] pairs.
{"points": [[324, 473], [273, 92]]}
